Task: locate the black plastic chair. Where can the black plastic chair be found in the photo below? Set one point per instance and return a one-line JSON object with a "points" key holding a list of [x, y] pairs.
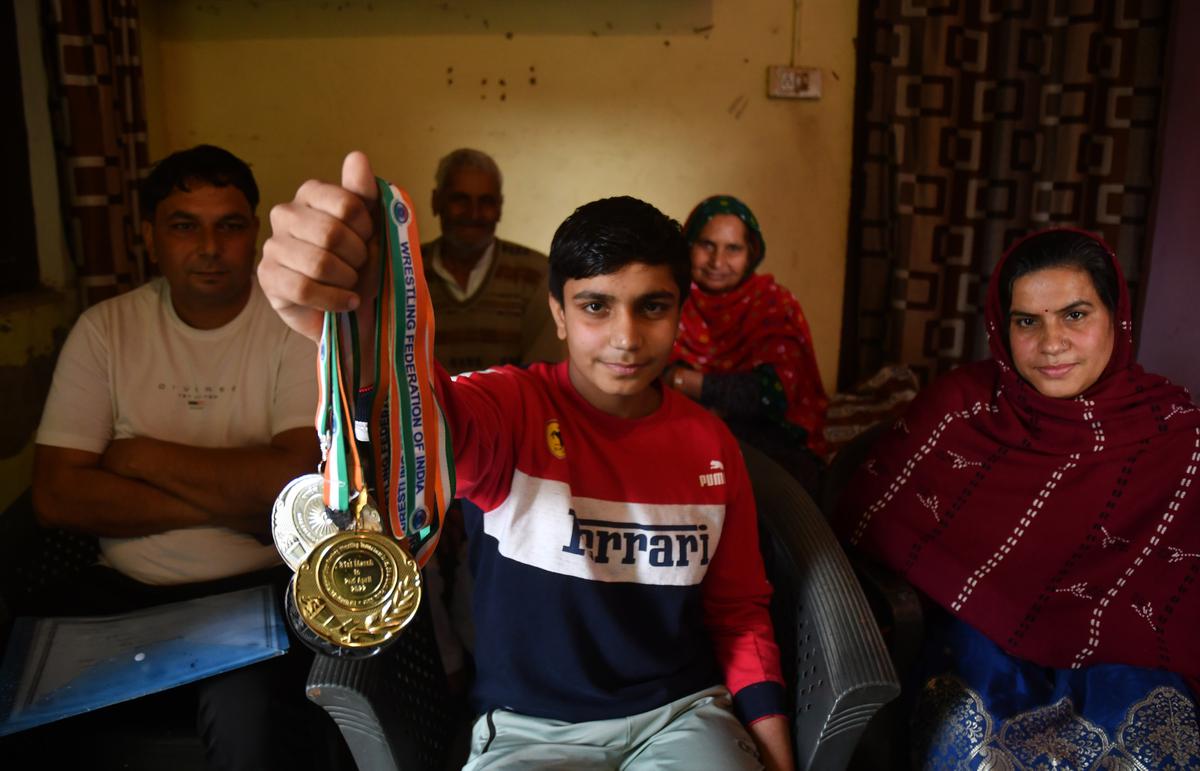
{"points": [[896, 606], [895, 603], [837, 668], [392, 709], [35, 560]]}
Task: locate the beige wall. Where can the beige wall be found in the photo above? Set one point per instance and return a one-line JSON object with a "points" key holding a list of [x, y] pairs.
{"points": [[664, 99], [33, 327]]}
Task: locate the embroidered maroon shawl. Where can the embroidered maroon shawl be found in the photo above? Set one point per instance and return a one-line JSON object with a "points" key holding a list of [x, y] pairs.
{"points": [[757, 323], [1066, 530]]}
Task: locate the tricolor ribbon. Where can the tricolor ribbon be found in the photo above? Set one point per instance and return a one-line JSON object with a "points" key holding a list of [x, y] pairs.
{"points": [[419, 484], [410, 438], [344, 486]]}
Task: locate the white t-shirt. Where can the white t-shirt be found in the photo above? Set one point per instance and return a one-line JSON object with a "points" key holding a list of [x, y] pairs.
{"points": [[132, 367]]}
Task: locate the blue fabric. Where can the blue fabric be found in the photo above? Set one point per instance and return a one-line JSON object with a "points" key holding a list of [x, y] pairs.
{"points": [[979, 708], [760, 700]]}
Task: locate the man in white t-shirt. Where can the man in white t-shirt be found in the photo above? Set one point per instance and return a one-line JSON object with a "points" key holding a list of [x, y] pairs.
{"points": [[177, 413]]}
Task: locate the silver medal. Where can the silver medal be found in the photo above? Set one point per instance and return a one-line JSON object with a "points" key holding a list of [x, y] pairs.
{"points": [[299, 521]]}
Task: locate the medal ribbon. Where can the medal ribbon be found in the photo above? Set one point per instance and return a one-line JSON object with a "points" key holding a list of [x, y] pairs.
{"points": [[343, 485], [415, 446]]}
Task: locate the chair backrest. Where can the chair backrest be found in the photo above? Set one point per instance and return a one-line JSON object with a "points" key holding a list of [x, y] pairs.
{"points": [[896, 604], [35, 560], [392, 708], [834, 660]]}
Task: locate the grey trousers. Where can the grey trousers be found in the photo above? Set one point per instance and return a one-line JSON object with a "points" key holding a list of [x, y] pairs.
{"points": [[698, 731]]}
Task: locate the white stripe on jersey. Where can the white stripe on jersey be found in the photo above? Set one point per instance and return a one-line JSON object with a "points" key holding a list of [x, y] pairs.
{"points": [[542, 525]]}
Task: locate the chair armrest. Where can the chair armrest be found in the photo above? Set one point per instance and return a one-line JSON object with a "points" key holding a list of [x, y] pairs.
{"points": [[392, 708], [898, 609], [835, 662], [896, 605]]}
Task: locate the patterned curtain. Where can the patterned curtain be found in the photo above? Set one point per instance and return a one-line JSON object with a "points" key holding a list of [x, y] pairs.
{"points": [[978, 122], [98, 109]]}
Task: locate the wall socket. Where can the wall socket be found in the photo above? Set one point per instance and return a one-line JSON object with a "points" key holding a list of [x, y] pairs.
{"points": [[794, 82]]}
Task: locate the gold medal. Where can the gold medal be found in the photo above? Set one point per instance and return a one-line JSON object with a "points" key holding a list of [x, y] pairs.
{"points": [[357, 589]]}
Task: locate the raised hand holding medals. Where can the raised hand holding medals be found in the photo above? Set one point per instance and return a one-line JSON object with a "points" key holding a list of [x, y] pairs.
{"points": [[357, 583]]}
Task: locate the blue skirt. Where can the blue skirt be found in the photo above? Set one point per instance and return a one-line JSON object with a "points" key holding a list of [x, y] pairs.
{"points": [[979, 708]]}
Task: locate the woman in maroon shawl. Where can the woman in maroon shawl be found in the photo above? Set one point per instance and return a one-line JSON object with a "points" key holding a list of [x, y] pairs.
{"points": [[1048, 500], [744, 349]]}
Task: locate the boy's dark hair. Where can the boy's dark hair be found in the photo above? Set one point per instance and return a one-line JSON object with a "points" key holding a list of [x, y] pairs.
{"points": [[203, 164], [604, 236], [1060, 249]]}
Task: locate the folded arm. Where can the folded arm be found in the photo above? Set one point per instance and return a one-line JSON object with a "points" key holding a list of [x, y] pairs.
{"points": [[239, 482], [141, 486], [71, 490]]}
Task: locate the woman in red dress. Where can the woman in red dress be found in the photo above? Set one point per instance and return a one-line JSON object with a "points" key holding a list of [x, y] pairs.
{"points": [[744, 348]]}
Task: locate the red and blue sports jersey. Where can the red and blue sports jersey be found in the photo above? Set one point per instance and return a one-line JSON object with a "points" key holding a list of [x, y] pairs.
{"points": [[616, 560]]}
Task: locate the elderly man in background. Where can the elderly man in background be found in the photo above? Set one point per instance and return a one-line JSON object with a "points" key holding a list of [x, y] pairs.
{"points": [[489, 294]]}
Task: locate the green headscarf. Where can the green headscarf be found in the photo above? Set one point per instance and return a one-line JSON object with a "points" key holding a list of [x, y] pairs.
{"points": [[727, 204]]}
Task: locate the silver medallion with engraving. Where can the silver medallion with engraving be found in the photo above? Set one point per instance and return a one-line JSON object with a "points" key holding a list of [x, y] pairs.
{"points": [[299, 520]]}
